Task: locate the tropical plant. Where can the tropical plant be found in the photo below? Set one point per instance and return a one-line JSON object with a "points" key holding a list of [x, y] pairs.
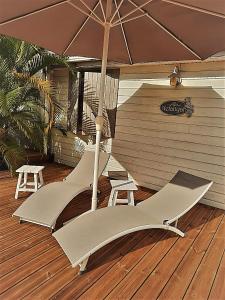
{"points": [[26, 99]]}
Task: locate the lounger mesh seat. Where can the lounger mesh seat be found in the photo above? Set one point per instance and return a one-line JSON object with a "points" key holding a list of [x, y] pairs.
{"points": [[89, 232], [44, 206]]}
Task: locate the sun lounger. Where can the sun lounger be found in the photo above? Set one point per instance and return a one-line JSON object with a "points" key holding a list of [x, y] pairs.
{"points": [[44, 206], [89, 232]]}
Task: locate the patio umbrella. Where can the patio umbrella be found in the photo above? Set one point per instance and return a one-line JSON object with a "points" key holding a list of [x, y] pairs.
{"points": [[127, 31]]}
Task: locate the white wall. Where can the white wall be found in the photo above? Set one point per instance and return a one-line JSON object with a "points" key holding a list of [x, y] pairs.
{"points": [[152, 146]]}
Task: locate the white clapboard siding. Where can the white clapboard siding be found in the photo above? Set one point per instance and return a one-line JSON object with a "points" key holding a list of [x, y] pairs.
{"points": [[154, 101], [160, 90], [199, 111], [157, 174], [159, 166], [197, 148], [169, 152], [205, 121], [194, 70], [193, 138], [185, 128], [66, 149], [187, 82], [188, 163], [153, 146]]}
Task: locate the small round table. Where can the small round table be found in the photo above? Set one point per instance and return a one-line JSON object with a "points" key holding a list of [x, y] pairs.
{"points": [[23, 185], [122, 185]]}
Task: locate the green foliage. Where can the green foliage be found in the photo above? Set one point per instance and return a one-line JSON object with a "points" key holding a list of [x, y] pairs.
{"points": [[25, 117]]}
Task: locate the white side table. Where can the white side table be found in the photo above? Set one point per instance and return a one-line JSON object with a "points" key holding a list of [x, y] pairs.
{"points": [[122, 185], [23, 185]]}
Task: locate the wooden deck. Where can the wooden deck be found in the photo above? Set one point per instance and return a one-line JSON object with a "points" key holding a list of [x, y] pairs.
{"points": [[145, 265]]}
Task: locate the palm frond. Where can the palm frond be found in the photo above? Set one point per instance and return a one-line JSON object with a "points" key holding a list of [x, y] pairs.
{"points": [[27, 102], [42, 60], [12, 154]]}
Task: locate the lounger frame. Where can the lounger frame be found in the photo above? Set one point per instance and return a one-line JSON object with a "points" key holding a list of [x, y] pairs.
{"points": [[84, 260], [183, 185], [78, 189], [52, 228]]}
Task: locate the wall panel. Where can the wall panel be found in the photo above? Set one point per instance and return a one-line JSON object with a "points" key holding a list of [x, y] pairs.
{"points": [[153, 146]]}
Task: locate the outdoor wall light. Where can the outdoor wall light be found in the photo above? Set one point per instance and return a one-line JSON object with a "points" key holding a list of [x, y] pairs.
{"points": [[175, 77]]}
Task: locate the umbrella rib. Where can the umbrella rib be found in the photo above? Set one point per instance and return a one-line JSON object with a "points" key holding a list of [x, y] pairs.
{"points": [[78, 31], [124, 34], [137, 7], [205, 11], [102, 8], [116, 11], [91, 11], [33, 12], [85, 13], [118, 22], [166, 30]]}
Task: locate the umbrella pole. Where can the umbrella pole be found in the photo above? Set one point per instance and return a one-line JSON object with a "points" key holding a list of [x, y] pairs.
{"points": [[99, 119]]}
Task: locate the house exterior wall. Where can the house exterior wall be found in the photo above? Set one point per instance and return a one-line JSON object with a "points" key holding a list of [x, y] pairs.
{"points": [[68, 147], [63, 146], [152, 146]]}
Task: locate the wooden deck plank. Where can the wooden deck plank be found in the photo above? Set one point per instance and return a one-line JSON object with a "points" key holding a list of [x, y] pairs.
{"points": [[19, 236], [107, 282], [134, 280], [8, 224], [99, 263], [18, 229], [218, 289], [21, 247], [202, 282], [22, 258], [179, 281], [24, 287], [154, 284], [10, 227], [33, 265], [74, 290]]}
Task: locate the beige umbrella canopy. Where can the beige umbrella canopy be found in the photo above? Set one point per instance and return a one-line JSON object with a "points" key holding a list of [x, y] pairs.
{"points": [[128, 31], [155, 31]]}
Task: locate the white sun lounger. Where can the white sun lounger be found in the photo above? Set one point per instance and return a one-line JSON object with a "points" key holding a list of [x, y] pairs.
{"points": [[89, 232], [44, 206]]}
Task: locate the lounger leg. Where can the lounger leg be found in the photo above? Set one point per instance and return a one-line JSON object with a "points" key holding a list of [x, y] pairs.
{"points": [[110, 202], [41, 178], [114, 200], [25, 179], [176, 230], [52, 228], [83, 266], [18, 185], [130, 196], [35, 182]]}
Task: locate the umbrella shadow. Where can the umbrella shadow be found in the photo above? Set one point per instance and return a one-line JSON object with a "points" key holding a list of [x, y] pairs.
{"points": [[149, 143]]}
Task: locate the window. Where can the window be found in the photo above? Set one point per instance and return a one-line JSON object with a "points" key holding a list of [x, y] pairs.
{"points": [[83, 98]]}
